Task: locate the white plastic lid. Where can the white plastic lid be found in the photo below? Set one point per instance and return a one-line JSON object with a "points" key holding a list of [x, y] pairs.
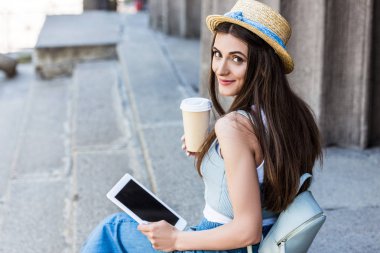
{"points": [[196, 104]]}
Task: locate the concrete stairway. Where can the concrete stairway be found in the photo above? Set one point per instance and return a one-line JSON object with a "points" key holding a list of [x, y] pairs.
{"points": [[66, 141], [64, 144], [35, 165], [68, 39]]}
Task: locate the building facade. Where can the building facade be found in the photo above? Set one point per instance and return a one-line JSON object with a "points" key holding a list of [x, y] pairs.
{"points": [[335, 46]]}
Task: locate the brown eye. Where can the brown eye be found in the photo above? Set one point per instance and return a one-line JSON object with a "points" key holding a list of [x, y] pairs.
{"points": [[237, 59], [217, 54]]}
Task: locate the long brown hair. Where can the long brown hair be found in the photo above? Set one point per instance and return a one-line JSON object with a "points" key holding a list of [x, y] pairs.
{"points": [[290, 138]]}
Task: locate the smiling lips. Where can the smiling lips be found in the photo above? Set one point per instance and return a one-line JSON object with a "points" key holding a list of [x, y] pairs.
{"points": [[225, 82]]}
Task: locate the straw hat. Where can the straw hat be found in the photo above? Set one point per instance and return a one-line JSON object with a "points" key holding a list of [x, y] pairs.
{"points": [[261, 20]]}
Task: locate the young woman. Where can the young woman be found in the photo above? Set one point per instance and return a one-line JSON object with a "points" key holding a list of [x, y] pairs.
{"points": [[252, 160]]}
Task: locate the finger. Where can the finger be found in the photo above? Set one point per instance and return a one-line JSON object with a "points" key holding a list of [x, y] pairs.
{"points": [[146, 234], [144, 228], [183, 146]]}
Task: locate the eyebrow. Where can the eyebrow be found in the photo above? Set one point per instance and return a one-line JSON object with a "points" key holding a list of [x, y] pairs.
{"points": [[233, 52]]}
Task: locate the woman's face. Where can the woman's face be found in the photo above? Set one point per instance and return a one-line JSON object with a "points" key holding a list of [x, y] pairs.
{"points": [[229, 63]]}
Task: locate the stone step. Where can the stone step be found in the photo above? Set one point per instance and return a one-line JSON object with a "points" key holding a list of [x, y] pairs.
{"points": [[98, 119], [32, 114], [95, 174], [105, 144], [36, 192], [156, 89], [154, 78], [184, 56], [43, 148], [13, 98], [35, 219], [67, 39], [70, 141]]}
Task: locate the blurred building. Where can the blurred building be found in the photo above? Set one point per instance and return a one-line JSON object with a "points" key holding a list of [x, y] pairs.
{"points": [[335, 45], [110, 5], [21, 21]]}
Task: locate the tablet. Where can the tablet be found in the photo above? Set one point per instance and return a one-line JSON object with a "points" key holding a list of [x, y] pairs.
{"points": [[141, 204]]}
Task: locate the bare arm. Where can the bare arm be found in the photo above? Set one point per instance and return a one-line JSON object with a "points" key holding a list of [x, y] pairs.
{"points": [[238, 152]]}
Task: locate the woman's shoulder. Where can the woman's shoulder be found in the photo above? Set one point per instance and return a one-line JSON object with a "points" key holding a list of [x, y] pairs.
{"points": [[234, 124], [235, 131]]}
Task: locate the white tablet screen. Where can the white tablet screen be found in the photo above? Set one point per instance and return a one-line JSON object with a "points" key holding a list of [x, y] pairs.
{"points": [[143, 204]]}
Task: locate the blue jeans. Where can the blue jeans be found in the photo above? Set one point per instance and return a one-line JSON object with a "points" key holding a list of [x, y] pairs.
{"points": [[118, 233]]}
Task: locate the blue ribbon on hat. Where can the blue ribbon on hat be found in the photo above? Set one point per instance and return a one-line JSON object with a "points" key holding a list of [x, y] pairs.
{"points": [[238, 15]]}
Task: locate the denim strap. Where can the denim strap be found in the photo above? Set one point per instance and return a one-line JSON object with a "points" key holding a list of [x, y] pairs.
{"points": [[238, 15]]}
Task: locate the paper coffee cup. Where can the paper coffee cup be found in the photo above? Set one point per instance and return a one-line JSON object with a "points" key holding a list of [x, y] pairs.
{"points": [[196, 118]]}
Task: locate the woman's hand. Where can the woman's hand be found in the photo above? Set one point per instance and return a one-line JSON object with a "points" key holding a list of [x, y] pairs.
{"points": [[161, 235], [188, 153]]}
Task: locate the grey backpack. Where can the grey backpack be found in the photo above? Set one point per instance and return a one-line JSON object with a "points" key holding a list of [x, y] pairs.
{"points": [[296, 227]]}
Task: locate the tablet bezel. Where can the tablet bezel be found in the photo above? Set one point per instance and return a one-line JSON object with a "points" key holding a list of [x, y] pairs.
{"points": [[111, 195]]}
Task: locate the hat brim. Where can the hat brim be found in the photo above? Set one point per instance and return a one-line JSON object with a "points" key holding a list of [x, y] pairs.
{"points": [[213, 21]]}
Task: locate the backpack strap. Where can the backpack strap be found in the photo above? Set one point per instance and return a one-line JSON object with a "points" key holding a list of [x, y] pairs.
{"points": [[303, 179]]}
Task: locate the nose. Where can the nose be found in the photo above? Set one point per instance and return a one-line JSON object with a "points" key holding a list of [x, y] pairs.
{"points": [[221, 67]]}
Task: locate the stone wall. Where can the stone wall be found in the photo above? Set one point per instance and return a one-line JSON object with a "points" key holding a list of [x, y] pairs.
{"points": [[176, 17], [100, 5], [193, 13], [345, 102], [374, 134], [155, 14], [307, 20], [332, 65]]}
